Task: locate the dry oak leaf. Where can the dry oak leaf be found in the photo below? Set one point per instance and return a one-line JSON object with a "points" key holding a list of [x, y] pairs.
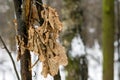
{"points": [[21, 47], [59, 50], [50, 15], [53, 66], [45, 69], [42, 41]]}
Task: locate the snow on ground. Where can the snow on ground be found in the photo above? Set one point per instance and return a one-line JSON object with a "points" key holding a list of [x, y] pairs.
{"points": [[94, 56]]}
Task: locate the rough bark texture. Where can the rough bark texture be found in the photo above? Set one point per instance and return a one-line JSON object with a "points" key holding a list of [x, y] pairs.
{"points": [[108, 39], [22, 21], [25, 66]]}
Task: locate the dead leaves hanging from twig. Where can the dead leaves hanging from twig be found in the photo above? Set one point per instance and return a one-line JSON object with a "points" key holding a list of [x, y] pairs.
{"points": [[42, 41]]}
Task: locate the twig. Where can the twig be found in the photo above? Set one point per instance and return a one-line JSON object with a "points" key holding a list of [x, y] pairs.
{"points": [[9, 53], [39, 3], [34, 64]]}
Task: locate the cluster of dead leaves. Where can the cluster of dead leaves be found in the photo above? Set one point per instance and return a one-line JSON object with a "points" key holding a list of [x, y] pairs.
{"points": [[43, 42]]}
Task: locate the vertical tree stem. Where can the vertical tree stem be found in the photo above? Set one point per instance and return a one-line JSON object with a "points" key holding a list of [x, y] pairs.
{"points": [[108, 39], [23, 24]]}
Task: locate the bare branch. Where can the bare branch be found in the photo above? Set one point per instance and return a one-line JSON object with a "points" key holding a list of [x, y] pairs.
{"points": [[34, 64], [9, 53]]}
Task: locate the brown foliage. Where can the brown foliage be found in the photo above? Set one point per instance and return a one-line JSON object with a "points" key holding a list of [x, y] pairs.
{"points": [[43, 41]]}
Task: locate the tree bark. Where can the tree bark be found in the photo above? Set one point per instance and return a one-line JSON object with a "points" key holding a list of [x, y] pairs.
{"points": [[23, 24], [39, 8], [57, 77], [108, 39]]}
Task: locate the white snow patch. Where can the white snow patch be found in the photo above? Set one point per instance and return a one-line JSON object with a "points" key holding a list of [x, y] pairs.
{"points": [[94, 57], [95, 62], [92, 30], [77, 47]]}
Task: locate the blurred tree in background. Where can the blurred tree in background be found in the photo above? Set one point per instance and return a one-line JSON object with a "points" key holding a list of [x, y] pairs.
{"points": [[6, 22], [108, 39], [72, 20]]}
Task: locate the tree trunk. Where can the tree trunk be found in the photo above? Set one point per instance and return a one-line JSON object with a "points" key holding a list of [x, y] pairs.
{"points": [[57, 77], [23, 23], [118, 34], [108, 39]]}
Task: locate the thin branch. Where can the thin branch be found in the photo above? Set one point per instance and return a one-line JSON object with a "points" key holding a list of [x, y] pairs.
{"points": [[39, 3], [9, 53], [34, 64]]}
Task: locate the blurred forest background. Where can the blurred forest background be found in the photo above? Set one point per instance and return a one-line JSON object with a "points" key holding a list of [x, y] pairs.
{"points": [[81, 36]]}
